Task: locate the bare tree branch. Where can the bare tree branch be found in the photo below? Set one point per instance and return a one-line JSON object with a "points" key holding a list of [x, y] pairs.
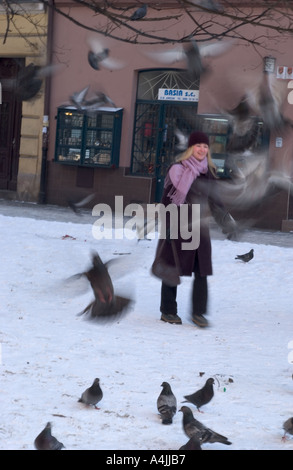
{"points": [[204, 19]]}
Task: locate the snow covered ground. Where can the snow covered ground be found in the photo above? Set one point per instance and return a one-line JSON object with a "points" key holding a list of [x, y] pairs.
{"points": [[50, 354]]}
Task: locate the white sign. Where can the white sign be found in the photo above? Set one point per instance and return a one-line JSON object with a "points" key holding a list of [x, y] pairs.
{"points": [[170, 94], [279, 142]]}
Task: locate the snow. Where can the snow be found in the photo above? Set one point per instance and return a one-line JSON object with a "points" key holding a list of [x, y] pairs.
{"points": [[50, 354]]}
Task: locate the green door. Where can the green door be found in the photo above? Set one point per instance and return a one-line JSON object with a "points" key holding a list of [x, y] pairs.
{"points": [[155, 145]]}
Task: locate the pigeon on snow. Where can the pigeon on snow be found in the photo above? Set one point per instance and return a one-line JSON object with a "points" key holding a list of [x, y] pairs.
{"points": [[288, 428], [192, 427], [167, 404], [203, 396], [45, 440], [92, 395], [246, 257], [106, 304], [139, 13], [192, 444]]}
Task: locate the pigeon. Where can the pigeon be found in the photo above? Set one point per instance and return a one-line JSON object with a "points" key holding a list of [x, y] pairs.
{"points": [[98, 56], [269, 102], [288, 428], [193, 55], [76, 206], [139, 13], [92, 395], [192, 444], [29, 80], [207, 4], [240, 117], [107, 305], [45, 440], [246, 257], [99, 99], [182, 140], [167, 404], [192, 428], [203, 396]]}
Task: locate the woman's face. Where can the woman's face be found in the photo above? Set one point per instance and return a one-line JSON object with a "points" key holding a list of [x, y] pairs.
{"points": [[200, 151]]}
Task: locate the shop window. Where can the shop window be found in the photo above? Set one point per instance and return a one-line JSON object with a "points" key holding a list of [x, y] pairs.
{"points": [[88, 140]]}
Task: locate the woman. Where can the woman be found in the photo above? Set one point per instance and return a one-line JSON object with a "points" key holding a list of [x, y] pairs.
{"points": [[190, 181]]}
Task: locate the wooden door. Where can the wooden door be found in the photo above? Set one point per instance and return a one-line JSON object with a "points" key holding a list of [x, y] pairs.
{"points": [[10, 122]]}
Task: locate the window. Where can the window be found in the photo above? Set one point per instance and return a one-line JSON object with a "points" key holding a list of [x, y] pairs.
{"points": [[88, 140]]}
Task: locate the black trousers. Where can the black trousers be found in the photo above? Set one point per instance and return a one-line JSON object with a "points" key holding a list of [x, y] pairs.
{"points": [[199, 297]]}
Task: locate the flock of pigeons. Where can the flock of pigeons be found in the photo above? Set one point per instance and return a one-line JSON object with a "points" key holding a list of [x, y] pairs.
{"points": [[196, 431], [107, 305]]}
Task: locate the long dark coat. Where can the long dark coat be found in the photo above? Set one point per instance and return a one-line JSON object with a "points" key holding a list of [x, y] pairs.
{"points": [[201, 192]]}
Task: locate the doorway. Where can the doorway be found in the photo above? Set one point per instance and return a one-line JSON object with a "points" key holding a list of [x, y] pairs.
{"points": [[155, 142], [10, 123]]}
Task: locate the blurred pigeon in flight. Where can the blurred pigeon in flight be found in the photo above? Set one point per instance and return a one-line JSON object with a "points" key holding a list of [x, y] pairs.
{"points": [[139, 13], [107, 305], [76, 206], [267, 99], [99, 100], [288, 428], [167, 404], [98, 56], [203, 396], [92, 395], [193, 55], [182, 140], [192, 444], [240, 117], [208, 4], [45, 440], [29, 80], [194, 428], [246, 257]]}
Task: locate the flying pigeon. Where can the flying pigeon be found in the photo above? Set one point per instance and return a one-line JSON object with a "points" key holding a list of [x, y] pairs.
{"points": [[167, 404], [270, 101], [98, 56], [29, 80], [182, 140], [99, 99], [92, 395], [203, 396], [241, 118], [246, 257], [76, 206], [208, 4], [139, 13], [107, 305], [45, 440], [193, 55], [288, 428], [192, 444], [192, 428]]}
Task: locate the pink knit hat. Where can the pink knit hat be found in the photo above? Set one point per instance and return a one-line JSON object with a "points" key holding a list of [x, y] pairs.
{"points": [[198, 137]]}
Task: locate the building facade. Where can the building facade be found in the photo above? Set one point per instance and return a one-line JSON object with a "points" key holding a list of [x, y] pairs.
{"points": [[124, 145], [23, 35]]}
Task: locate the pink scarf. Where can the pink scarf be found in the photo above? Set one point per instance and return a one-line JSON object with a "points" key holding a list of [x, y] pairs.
{"points": [[181, 176]]}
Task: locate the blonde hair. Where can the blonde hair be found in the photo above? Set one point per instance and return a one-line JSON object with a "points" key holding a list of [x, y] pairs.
{"points": [[188, 153]]}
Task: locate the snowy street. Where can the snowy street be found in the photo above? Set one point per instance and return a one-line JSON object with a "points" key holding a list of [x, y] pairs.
{"points": [[50, 355]]}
